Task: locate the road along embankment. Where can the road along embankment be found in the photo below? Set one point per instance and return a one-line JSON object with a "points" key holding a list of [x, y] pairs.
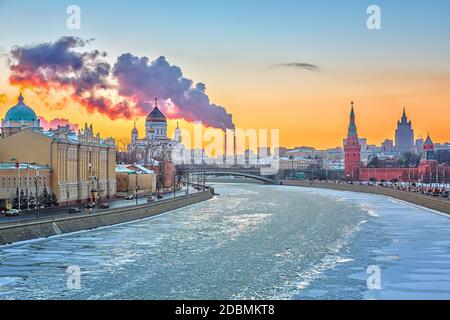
{"points": [[42, 228], [434, 203]]}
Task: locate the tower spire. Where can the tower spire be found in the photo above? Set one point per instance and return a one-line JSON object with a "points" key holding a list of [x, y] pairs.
{"points": [[404, 117], [352, 126]]}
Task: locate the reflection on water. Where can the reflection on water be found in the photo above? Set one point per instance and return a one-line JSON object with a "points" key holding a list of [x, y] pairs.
{"points": [[252, 242]]}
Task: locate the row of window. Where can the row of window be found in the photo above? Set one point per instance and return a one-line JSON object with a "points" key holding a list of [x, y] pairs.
{"points": [[24, 182]]}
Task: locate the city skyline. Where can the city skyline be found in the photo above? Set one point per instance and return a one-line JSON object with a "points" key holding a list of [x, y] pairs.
{"points": [[304, 91], [257, 152]]}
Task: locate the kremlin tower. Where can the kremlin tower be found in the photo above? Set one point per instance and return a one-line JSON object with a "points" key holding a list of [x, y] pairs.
{"points": [[352, 150], [428, 163], [427, 171]]}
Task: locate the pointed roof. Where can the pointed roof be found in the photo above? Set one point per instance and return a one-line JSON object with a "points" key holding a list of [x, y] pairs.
{"points": [[135, 130], [428, 141], [404, 119], [352, 131]]}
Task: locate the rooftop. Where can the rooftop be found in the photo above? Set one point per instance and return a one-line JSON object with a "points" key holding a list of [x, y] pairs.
{"points": [[22, 166]]}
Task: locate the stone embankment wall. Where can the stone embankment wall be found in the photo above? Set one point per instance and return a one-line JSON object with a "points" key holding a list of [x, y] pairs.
{"points": [[28, 230], [434, 203]]}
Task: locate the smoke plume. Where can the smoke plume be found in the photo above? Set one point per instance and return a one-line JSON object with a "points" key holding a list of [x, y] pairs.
{"points": [[66, 65]]}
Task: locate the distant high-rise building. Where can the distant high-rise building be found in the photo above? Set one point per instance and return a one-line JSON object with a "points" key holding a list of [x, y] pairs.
{"points": [[388, 145], [404, 135], [419, 145]]}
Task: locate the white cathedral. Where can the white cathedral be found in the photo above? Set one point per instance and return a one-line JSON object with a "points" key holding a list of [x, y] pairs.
{"points": [[156, 145]]}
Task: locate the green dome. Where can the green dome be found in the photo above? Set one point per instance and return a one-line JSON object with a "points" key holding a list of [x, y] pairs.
{"points": [[20, 112]]}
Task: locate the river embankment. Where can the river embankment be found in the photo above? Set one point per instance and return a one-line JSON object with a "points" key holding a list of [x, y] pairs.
{"points": [[47, 227], [430, 202]]}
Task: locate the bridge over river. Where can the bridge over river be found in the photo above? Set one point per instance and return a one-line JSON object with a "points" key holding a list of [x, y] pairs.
{"points": [[257, 174]]}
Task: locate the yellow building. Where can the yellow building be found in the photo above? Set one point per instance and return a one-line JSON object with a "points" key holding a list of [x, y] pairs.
{"points": [[82, 165], [32, 179], [132, 177]]}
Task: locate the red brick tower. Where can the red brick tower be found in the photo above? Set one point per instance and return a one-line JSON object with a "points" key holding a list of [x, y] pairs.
{"points": [[428, 163], [352, 150]]}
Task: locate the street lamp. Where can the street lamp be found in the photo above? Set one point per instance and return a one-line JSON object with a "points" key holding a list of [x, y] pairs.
{"points": [[137, 188], [17, 165], [37, 189], [174, 183], [187, 182]]}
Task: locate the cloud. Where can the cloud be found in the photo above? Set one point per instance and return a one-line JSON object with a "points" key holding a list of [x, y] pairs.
{"points": [[134, 81], [298, 65], [141, 79], [53, 124]]}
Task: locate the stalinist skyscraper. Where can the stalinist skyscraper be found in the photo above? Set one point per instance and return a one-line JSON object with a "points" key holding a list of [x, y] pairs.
{"points": [[404, 135]]}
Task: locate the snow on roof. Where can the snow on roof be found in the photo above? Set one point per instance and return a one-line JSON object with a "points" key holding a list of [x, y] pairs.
{"points": [[128, 168], [22, 166]]}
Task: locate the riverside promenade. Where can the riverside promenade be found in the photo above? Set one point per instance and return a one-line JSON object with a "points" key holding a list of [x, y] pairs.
{"points": [[16, 231], [430, 202]]}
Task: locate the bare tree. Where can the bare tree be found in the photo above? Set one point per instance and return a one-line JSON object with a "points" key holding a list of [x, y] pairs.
{"points": [[122, 144]]}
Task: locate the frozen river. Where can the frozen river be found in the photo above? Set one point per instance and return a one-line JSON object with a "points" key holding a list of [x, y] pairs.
{"points": [[252, 242]]}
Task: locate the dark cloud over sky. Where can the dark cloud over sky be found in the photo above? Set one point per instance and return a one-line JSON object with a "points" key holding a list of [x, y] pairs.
{"points": [[63, 65], [298, 65]]}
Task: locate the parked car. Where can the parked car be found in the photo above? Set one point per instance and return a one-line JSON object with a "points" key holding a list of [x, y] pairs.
{"points": [[12, 212], [75, 210], [151, 199], [104, 205], [89, 205], [129, 197]]}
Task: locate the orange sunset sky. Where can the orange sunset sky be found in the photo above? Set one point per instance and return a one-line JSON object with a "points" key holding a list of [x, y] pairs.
{"points": [[248, 66]]}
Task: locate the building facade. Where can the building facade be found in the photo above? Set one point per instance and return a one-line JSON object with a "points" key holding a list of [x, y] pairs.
{"points": [[32, 179], [82, 165], [156, 145], [135, 178]]}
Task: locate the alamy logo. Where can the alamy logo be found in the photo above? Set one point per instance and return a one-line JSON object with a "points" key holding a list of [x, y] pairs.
{"points": [[374, 19], [374, 280], [73, 277], [74, 20], [229, 147]]}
